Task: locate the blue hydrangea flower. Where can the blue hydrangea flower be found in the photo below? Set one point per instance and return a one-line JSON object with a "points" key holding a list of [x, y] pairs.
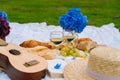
{"points": [[3, 15], [73, 20]]}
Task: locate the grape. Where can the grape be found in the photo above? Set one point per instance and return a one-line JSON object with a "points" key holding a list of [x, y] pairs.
{"points": [[70, 51], [63, 53], [77, 54]]}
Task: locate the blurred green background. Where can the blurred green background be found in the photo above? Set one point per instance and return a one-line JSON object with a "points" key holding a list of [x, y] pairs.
{"points": [[99, 12]]}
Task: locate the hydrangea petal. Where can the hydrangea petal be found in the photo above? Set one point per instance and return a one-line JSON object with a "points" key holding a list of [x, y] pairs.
{"points": [[73, 20]]}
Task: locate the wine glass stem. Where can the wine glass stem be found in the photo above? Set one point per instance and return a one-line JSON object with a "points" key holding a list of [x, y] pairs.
{"points": [[68, 43], [57, 50]]}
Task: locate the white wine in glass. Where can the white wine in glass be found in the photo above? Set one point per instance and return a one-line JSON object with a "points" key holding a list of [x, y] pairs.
{"points": [[56, 37], [56, 41], [69, 36]]}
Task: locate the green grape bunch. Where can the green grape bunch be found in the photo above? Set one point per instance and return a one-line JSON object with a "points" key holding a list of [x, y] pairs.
{"points": [[71, 51]]}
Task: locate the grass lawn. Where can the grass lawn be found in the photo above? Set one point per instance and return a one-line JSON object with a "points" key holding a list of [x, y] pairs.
{"points": [[99, 12]]}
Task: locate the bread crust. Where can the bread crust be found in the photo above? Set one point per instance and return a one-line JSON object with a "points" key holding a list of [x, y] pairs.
{"points": [[85, 44], [34, 43]]}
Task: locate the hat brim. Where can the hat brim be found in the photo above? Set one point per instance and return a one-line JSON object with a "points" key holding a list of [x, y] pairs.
{"points": [[76, 70]]}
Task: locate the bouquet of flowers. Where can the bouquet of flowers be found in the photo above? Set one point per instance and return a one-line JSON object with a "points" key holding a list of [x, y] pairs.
{"points": [[4, 25], [73, 20]]}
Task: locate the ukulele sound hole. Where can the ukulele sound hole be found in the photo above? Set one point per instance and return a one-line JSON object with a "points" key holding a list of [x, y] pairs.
{"points": [[14, 52]]}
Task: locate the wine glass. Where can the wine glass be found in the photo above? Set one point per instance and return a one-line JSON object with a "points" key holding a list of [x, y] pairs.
{"points": [[69, 36], [56, 37]]}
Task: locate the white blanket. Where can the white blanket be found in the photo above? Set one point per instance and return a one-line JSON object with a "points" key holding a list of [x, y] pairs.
{"points": [[106, 34]]}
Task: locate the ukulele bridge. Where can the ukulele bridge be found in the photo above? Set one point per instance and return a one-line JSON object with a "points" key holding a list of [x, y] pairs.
{"points": [[31, 63]]}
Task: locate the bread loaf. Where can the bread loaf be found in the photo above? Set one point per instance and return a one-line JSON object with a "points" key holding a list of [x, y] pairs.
{"points": [[85, 44], [42, 51], [34, 43]]}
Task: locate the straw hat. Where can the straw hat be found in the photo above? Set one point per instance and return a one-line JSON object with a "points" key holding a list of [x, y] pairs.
{"points": [[76, 70], [103, 64]]}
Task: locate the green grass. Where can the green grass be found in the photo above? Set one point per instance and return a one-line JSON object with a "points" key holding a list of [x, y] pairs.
{"points": [[99, 12]]}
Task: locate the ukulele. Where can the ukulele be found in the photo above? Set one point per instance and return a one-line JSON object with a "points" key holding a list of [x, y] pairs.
{"points": [[21, 65]]}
